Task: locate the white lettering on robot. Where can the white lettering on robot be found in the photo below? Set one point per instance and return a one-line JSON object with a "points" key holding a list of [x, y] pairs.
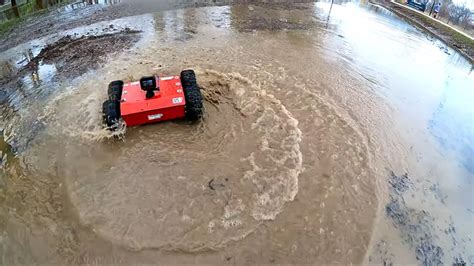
{"points": [[177, 100], [154, 117]]}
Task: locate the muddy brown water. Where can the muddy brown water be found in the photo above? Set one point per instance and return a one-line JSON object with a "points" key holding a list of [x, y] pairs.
{"points": [[341, 137]]}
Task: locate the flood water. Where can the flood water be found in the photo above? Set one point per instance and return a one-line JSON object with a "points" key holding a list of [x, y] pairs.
{"points": [[309, 109]]}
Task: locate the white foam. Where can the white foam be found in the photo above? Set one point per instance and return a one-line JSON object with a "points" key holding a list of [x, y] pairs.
{"points": [[174, 200]]}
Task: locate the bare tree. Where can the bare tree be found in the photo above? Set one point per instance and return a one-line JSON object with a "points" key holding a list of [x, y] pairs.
{"points": [[15, 9], [466, 18], [40, 4], [458, 13]]}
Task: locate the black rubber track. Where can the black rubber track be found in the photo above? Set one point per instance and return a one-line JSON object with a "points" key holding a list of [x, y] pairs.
{"points": [[115, 90], [111, 111], [192, 95]]}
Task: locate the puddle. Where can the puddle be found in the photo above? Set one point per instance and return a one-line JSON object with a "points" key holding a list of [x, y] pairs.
{"points": [[307, 114]]}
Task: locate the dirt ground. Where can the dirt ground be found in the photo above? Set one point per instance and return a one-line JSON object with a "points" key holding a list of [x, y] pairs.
{"points": [[36, 27], [74, 55], [69, 49], [57, 21]]}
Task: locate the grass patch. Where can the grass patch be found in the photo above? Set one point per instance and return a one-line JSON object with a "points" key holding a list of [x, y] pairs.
{"points": [[9, 24], [27, 10], [456, 36]]}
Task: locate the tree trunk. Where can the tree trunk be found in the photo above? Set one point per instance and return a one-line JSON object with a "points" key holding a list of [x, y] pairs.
{"points": [[15, 9], [432, 7], [39, 4]]}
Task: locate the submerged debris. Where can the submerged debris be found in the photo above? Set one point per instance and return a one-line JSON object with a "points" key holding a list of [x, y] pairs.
{"points": [[212, 184], [396, 212], [416, 227], [399, 184], [429, 254], [459, 262]]}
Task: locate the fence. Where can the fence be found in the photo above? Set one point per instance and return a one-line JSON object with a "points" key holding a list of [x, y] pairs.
{"points": [[27, 7]]}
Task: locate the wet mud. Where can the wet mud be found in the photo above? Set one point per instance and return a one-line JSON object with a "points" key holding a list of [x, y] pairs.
{"points": [[62, 20], [73, 55], [288, 165], [259, 21]]}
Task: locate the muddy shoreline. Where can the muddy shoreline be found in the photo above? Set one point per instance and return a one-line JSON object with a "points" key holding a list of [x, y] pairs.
{"points": [[73, 55], [49, 23], [57, 21], [460, 43]]}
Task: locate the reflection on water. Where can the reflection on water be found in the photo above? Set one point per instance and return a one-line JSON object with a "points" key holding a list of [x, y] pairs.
{"points": [[452, 123], [430, 86], [421, 75], [29, 77]]}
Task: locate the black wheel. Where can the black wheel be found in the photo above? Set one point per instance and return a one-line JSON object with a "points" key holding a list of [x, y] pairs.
{"points": [[116, 83], [115, 90], [111, 112], [192, 95]]}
